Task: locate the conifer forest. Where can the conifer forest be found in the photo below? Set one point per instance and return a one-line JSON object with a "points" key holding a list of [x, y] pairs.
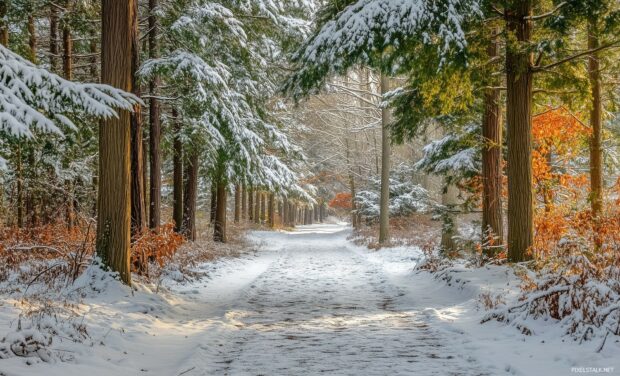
{"points": [[309, 187]]}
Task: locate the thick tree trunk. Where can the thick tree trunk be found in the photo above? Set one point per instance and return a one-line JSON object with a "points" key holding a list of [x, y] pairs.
{"points": [[53, 38], [237, 203], [272, 211], [519, 135], [154, 126], [177, 166], [250, 204], [219, 230], [384, 202], [138, 222], [190, 194], [596, 151], [114, 194], [492, 223]]}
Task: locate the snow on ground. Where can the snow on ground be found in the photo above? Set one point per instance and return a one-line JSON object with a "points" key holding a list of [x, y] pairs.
{"points": [[308, 302]]}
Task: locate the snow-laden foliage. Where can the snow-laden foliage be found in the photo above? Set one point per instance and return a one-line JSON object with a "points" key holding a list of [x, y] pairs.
{"points": [[32, 98], [457, 154], [364, 32], [406, 197], [221, 68], [580, 291]]}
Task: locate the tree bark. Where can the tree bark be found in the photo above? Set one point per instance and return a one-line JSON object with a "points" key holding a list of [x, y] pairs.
{"points": [[114, 194], [190, 195], [94, 74], [154, 126], [138, 222], [177, 165], [272, 211], [32, 39], [20, 188], [263, 208], [219, 230], [244, 202], [4, 27], [384, 204], [449, 226], [492, 223], [519, 135], [284, 214], [213, 207], [67, 47], [53, 38], [251, 204], [257, 207], [596, 151], [237, 203]]}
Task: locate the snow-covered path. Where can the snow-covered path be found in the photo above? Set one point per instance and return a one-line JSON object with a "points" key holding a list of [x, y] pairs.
{"points": [[310, 305]]}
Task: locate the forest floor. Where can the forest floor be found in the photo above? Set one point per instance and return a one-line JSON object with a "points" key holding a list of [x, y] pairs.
{"points": [[308, 302]]}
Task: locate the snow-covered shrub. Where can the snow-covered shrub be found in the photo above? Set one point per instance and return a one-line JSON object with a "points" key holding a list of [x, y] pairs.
{"points": [[577, 286], [406, 197]]}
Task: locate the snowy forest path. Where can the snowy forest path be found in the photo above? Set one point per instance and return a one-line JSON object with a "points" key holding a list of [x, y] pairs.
{"points": [[311, 305]]}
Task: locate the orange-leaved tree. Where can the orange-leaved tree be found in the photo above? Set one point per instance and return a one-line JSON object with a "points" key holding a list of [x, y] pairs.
{"points": [[342, 200], [559, 137]]}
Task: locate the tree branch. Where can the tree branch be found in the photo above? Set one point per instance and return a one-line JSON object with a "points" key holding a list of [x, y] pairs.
{"points": [[576, 56], [545, 15]]}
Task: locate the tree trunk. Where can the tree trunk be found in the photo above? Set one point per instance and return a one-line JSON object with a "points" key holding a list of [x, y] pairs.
{"points": [[177, 165], [53, 38], [145, 175], [263, 208], [384, 204], [219, 230], [272, 211], [138, 222], [257, 207], [213, 206], [94, 74], [492, 224], [237, 203], [596, 157], [154, 126], [251, 204], [32, 39], [190, 195], [519, 135], [449, 226], [244, 202], [20, 188], [67, 47], [114, 194], [284, 213], [4, 26]]}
